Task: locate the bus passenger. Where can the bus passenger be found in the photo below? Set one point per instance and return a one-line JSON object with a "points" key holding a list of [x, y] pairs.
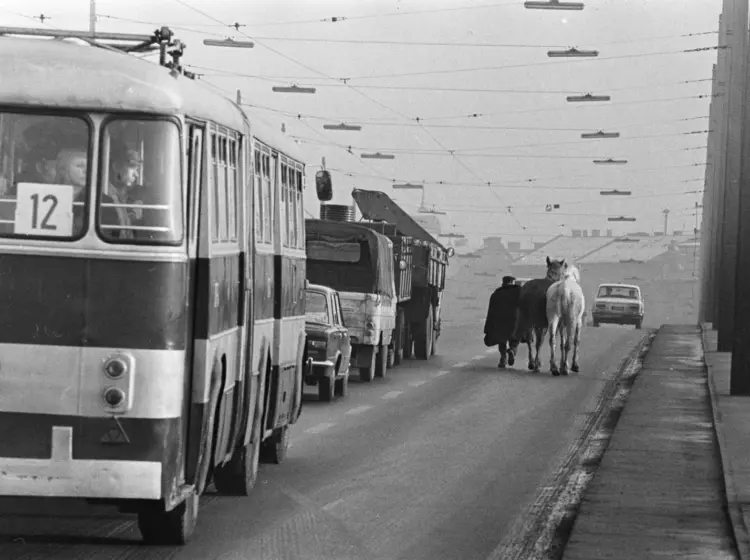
{"points": [[72, 167], [42, 167]]}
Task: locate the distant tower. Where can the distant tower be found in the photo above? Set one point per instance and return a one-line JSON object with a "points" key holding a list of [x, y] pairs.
{"points": [[666, 220]]}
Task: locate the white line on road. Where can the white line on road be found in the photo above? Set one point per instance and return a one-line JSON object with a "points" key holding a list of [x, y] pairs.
{"points": [[440, 373], [359, 409], [460, 364], [322, 427], [478, 357], [332, 505], [490, 351], [417, 383], [391, 395]]}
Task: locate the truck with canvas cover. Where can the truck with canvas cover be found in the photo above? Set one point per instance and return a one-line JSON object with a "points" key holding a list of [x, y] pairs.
{"points": [[358, 263], [418, 311]]}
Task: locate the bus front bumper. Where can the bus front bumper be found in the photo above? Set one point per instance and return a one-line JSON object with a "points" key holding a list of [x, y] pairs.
{"points": [[61, 476]]}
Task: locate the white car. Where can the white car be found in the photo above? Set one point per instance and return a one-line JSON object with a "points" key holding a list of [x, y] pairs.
{"points": [[619, 304]]}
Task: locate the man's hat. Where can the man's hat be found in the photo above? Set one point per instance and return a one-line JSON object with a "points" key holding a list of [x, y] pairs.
{"points": [[508, 279]]}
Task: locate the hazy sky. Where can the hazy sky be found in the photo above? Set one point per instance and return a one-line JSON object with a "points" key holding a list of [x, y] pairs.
{"points": [[387, 65]]}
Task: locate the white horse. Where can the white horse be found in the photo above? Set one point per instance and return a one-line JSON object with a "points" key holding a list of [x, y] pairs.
{"points": [[565, 307]]}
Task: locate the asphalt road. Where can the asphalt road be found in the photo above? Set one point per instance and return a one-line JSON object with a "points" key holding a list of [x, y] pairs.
{"points": [[437, 461]]}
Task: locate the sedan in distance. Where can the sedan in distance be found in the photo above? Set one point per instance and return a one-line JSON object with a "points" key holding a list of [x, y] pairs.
{"points": [[619, 304], [328, 342]]}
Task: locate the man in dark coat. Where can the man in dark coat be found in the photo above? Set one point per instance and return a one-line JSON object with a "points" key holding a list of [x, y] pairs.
{"points": [[501, 320]]}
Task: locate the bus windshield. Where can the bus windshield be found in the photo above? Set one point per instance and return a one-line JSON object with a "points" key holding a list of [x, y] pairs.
{"points": [[44, 176], [140, 198]]}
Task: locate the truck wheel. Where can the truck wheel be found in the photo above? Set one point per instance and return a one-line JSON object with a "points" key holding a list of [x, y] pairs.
{"points": [[408, 340], [365, 373], [596, 323], [326, 388], [174, 527], [399, 337], [638, 325], [381, 361], [423, 338]]}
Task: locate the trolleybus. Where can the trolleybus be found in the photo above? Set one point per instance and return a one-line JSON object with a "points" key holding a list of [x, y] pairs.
{"points": [[152, 276]]}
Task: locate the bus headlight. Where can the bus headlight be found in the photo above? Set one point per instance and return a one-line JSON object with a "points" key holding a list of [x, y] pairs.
{"points": [[114, 396], [115, 368]]}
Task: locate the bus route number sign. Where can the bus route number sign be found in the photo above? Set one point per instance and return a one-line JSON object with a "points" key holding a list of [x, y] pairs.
{"points": [[44, 210]]}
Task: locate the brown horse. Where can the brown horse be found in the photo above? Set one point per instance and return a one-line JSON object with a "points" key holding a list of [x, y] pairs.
{"points": [[531, 320]]}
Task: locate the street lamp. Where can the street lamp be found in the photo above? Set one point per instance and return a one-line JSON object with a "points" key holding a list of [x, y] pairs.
{"points": [[552, 5], [587, 97], [342, 126], [615, 192], [600, 134], [293, 89], [377, 155], [621, 219], [571, 53], [610, 161], [229, 42]]}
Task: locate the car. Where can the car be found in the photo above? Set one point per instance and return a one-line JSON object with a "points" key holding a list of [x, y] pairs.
{"points": [[619, 304], [328, 343]]}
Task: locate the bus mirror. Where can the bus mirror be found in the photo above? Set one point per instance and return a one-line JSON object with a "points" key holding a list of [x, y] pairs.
{"points": [[323, 185], [451, 252], [402, 265]]}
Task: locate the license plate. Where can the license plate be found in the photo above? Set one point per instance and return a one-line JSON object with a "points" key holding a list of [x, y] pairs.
{"points": [[618, 308]]}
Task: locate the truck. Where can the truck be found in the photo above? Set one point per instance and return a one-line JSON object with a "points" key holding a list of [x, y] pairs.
{"points": [[390, 273]]}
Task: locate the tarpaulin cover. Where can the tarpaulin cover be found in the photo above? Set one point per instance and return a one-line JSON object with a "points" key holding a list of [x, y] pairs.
{"points": [[378, 206], [339, 275]]}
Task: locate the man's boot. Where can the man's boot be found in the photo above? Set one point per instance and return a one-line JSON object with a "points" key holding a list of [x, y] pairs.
{"points": [[511, 357], [502, 361]]}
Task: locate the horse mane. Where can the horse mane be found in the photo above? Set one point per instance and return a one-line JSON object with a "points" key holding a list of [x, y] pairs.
{"points": [[572, 272]]}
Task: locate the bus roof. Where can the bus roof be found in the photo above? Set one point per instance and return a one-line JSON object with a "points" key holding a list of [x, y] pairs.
{"points": [[64, 75], [273, 137]]}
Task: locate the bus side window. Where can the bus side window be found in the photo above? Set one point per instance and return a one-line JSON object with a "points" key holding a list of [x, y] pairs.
{"points": [[256, 185], [212, 189], [283, 208], [300, 211], [269, 196], [232, 190]]}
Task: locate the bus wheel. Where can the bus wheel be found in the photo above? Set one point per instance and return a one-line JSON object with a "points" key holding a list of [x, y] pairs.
{"points": [[172, 528], [276, 447], [238, 476]]}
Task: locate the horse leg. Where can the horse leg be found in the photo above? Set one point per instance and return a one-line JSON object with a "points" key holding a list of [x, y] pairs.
{"points": [[539, 335], [576, 343], [566, 351], [502, 349], [552, 333], [529, 337]]}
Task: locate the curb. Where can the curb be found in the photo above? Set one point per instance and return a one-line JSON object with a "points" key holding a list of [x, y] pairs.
{"points": [[736, 517]]}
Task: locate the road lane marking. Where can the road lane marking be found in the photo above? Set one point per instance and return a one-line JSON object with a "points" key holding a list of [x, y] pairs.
{"points": [[322, 427], [440, 373], [359, 409], [332, 505], [391, 395], [489, 351], [479, 357], [417, 383], [460, 364]]}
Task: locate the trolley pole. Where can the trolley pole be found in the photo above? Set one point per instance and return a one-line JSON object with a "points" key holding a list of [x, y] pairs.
{"points": [[739, 381], [737, 30]]}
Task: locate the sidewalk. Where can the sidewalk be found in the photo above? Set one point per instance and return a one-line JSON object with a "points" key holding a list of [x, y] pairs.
{"points": [[659, 490]]}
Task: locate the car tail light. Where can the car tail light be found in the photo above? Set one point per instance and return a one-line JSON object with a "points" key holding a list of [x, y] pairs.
{"points": [[118, 385], [634, 307]]}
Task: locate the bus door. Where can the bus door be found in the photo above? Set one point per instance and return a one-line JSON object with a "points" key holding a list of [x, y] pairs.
{"points": [[192, 411]]}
